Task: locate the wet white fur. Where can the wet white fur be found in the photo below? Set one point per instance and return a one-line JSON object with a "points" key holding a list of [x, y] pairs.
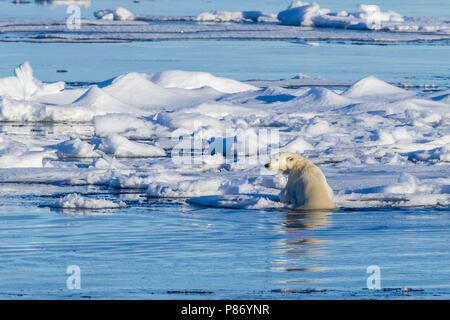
{"points": [[307, 187]]}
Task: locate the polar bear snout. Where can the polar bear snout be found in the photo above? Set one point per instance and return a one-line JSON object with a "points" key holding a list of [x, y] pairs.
{"points": [[275, 165], [272, 165]]}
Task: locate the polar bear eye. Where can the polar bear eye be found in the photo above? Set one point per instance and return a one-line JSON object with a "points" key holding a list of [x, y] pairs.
{"points": [[290, 159]]}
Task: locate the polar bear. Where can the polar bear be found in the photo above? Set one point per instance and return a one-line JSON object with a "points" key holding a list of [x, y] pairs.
{"points": [[307, 187]]}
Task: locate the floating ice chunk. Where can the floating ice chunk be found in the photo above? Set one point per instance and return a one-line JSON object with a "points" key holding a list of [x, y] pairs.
{"points": [[24, 86], [119, 14], [372, 86], [368, 17], [302, 76], [258, 16], [122, 147], [193, 80], [220, 16], [372, 14], [77, 201], [239, 201], [187, 188], [301, 14]]}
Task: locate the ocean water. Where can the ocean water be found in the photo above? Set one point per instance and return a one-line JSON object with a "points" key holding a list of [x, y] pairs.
{"points": [[164, 249], [240, 60], [168, 249]]}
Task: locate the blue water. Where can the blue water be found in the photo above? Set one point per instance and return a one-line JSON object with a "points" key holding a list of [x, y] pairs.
{"points": [[241, 60], [161, 249]]}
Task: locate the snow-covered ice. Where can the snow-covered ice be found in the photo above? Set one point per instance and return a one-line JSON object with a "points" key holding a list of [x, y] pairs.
{"points": [[186, 134]]}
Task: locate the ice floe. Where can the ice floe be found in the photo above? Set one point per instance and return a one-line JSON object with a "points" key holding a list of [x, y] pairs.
{"points": [[303, 22], [182, 134], [114, 14], [77, 201]]}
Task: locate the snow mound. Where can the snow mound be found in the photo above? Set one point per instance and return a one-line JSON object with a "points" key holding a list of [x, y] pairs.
{"points": [[77, 201], [136, 90], [194, 80], [100, 101], [237, 16], [322, 97], [371, 86]]}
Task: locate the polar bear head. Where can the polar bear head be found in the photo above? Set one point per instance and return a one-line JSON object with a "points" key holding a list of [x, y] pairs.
{"points": [[286, 163]]}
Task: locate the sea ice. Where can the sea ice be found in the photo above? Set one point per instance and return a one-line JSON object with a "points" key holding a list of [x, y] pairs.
{"points": [[77, 201], [114, 14], [168, 135]]}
